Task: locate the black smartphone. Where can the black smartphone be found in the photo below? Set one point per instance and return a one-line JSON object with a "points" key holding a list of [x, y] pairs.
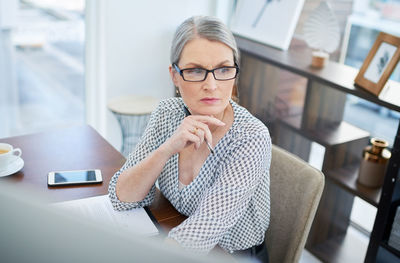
{"points": [[74, 177]]}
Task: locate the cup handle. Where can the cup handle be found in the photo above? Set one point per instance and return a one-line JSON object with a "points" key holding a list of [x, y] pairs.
{"points": [[18, 151]]}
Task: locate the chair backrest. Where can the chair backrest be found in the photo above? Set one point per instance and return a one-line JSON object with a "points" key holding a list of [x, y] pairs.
{"points": [[295, 191]]}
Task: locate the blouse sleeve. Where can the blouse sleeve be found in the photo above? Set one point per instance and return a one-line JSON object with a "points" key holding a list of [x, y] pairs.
{"points": [[226, 201], [147, 144]]}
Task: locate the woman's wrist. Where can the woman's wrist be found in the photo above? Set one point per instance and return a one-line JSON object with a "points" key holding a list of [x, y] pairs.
{"points": [[165, 150]]}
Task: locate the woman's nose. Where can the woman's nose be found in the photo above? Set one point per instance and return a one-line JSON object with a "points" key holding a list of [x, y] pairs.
{"points": [[210, 82]]}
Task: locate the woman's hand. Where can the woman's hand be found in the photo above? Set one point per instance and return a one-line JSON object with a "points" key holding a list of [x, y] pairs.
{"points": [[193, 129]]}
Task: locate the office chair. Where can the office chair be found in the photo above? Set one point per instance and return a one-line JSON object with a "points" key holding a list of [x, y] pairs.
{"points": [[295, 191]]}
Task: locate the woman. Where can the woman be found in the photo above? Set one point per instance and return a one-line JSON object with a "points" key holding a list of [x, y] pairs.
{"points": [[211, 156]]}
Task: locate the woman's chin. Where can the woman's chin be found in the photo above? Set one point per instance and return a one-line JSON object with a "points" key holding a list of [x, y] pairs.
{"points": [[214, 111]]}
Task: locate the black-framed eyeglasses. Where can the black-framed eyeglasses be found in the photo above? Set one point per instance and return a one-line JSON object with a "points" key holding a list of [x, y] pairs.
{"points": [[200, 74]]}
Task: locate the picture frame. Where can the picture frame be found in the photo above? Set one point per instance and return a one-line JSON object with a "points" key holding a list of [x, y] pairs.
{"points": [[258, 20], [379, 63]]}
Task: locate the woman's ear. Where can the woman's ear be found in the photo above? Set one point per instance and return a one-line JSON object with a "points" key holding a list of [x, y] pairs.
{"points": [[173, 75]]}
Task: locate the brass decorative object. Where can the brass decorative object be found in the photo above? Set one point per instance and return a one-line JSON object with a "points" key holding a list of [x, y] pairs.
{"points": [[374, 161]]}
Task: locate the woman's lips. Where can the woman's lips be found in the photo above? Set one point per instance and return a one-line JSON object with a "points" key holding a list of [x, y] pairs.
{"points": [[210, 100]]}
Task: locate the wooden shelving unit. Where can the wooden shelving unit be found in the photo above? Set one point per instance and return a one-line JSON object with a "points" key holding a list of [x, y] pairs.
{"points": [[321, 121], [346, 177], [298, 60], [328, 135]]}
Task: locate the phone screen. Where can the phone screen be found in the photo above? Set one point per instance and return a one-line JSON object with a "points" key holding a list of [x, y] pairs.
{"points": [[74, 176]]}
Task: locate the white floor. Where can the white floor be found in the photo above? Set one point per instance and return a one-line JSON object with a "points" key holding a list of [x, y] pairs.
{"points": [[307, 257]]}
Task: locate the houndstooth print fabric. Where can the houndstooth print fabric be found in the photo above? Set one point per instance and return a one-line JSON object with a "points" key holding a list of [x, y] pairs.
{"points": [[228, 202]]}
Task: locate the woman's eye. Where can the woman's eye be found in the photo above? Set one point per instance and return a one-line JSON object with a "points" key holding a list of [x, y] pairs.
{"points": [[225, 70], [195, 71]]}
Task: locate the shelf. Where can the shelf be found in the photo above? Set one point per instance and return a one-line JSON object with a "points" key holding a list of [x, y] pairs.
{"points": [[329, 135], [298, 59], [350, 247], [346, 177], [342, 141]]}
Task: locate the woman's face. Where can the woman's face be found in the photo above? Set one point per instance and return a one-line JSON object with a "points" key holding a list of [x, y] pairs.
{"points": [[208, 97]]}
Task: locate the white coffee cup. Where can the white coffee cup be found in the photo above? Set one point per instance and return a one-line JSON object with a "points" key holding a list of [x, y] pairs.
{"points": [[8, 155]]}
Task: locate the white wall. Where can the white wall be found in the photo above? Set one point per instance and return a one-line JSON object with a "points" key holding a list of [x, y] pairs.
{"points": [[8, 13], [128, 45], [9, 112]]}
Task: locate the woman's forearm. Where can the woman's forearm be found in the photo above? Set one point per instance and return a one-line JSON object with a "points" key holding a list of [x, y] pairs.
{"points": [[135, 183]]}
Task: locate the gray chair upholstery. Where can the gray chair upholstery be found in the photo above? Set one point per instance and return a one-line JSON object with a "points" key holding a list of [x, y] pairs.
{"points": [[295, 191]]}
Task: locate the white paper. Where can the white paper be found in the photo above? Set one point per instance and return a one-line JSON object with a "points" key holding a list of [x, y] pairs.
{"points": [[379, 62], [100, 209], [257, 20]]}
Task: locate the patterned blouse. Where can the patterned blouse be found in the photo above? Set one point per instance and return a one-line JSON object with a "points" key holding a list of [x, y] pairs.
{"points": [[228, 202]]}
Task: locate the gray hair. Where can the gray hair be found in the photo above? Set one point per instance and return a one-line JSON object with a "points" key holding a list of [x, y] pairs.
{"points": [[208, 27]]}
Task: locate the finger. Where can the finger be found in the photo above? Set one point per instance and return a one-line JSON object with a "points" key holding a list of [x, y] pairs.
{"points": [[197, 124], [197, 145], [204, 127], [200, 133], [194, 122], [206, 119], [192, 138], [188, 125]]}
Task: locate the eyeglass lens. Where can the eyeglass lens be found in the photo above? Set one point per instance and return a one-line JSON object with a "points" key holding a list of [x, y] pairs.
{"points": [[199, 74]]}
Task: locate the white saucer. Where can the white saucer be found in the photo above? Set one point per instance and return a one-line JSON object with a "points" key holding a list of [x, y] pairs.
{"points": [[12, 168]]}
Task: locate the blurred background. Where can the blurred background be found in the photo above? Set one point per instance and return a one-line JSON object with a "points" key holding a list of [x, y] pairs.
{"points": [[53, 54], [43, 70]]}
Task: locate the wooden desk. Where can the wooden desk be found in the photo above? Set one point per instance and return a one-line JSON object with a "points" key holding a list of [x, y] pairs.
{"points": [[73, 148]]}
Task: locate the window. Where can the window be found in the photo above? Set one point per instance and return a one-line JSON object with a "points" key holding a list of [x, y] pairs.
{"points": [[45, 60]]}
